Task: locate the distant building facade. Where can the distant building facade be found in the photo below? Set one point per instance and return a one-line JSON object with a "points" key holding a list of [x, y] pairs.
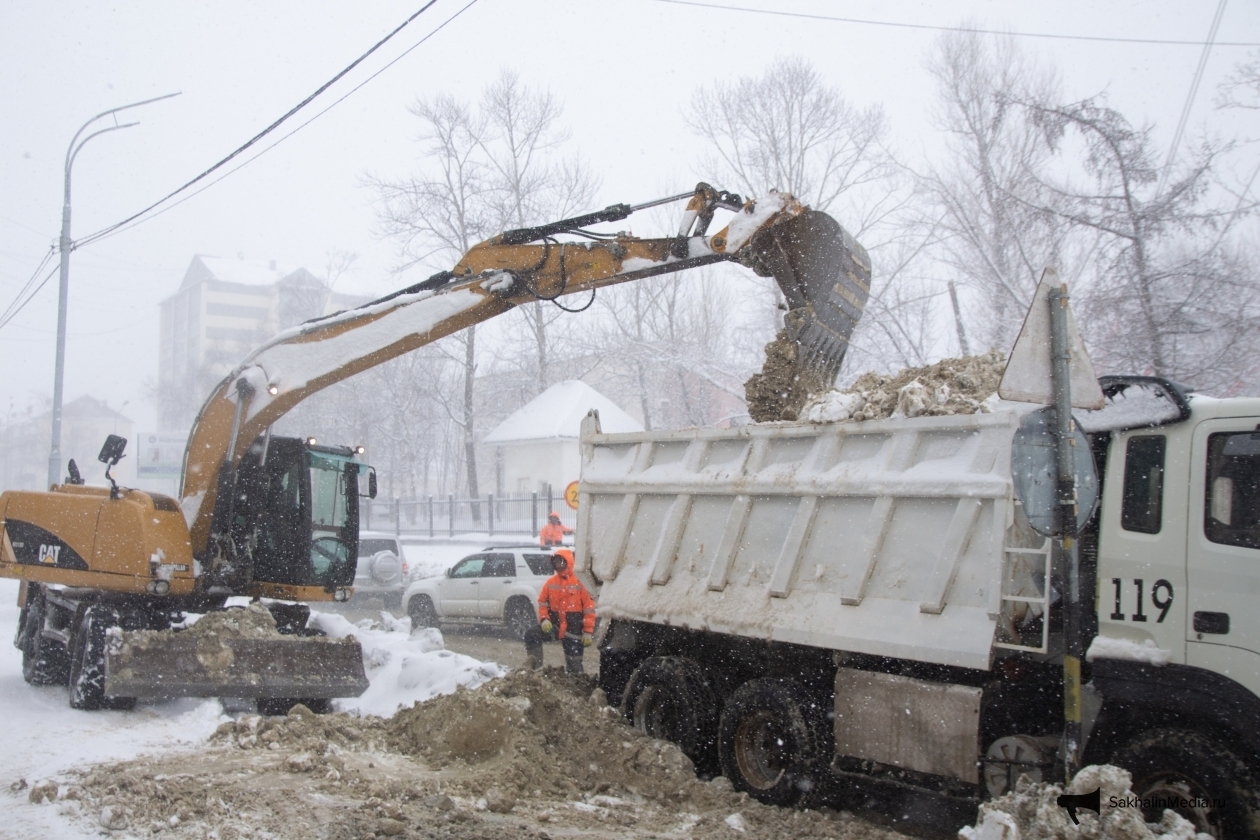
{"points": [[85, 423], [225, 308]]}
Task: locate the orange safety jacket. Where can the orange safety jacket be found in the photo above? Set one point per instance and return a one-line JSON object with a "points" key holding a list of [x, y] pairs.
{"points": [[552, 534], [565, 595]]}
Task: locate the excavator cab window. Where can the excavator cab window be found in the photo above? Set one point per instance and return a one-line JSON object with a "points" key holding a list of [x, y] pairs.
{"points": [[300, 511]]}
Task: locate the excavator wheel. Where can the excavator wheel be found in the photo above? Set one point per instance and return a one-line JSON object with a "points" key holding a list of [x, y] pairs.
{"points": [[44, 661], [87, 662]]}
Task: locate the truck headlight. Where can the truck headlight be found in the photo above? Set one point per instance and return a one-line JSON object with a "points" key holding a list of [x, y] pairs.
{"points": [[158, 587], [341, 594]]}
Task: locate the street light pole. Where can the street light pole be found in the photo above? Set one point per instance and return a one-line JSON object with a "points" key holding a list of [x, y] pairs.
{"points": [[63, 293]]}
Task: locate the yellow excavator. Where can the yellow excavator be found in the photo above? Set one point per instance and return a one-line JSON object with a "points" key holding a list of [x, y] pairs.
{"points": [[276, 518]]}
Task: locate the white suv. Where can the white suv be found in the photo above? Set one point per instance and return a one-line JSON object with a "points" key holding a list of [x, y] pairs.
{"points": [[498, 585], [382, 569]]}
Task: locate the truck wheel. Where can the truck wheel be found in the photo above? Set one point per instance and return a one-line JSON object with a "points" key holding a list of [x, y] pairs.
{"points": [[44, 661], [771, 742], [422, 612], [1168, 763], [519, 618], [668, 697], [87, 665]]}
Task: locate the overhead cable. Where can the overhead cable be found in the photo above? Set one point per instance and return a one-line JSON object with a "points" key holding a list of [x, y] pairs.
{"points": [[1194, 90], [127, 224], [901, 25], [260, 135]]}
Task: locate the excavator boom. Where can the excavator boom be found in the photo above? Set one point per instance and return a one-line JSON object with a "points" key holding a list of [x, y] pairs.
{"points": [[823, 272]]}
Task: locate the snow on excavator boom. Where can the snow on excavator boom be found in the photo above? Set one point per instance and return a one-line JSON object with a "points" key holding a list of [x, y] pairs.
{"points": [[823, 273]]}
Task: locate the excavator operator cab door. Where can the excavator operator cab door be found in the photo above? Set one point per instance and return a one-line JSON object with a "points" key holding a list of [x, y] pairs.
{"points": [[299, 512]]}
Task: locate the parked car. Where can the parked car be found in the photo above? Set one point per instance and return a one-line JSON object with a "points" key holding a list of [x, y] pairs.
{"points": [[496, 586], [382, 568]]}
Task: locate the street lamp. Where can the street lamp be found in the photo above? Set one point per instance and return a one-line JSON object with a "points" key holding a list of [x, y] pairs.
{"points": [[54, 456]]}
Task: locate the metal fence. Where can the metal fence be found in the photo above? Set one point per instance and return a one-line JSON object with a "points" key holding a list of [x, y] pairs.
{"points": [[438, 516]]}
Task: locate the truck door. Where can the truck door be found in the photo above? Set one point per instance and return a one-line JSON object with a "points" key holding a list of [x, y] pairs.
{"points": [[1223, 550], [1141, 556]]}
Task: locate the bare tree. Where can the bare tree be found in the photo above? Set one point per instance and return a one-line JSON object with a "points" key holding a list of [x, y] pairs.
{"points": [[438, 215], [788, 130], [488, 167], [1174, 294], [672, 346], [1242, 88], [991, 234], [530, 183]]}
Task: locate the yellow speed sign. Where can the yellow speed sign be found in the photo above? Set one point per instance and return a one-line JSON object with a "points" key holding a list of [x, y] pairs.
{"points": [[571, 495]]}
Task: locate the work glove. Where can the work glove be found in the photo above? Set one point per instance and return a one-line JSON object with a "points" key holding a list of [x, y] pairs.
{"points": [[587, 639], [545, 626]]}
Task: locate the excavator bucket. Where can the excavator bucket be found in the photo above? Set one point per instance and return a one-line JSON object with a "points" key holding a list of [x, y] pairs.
{"points": [[825, 275], [146, 664]]}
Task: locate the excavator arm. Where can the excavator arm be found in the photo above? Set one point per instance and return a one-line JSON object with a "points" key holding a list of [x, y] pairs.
{"points": [[822, 271]]}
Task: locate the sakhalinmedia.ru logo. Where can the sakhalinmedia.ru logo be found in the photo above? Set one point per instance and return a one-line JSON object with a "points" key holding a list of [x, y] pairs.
{"points": [[1161, 802]]}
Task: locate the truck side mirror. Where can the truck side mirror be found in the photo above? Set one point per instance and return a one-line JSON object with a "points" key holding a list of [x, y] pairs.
{"points": [[112, 451], [372, 484]]}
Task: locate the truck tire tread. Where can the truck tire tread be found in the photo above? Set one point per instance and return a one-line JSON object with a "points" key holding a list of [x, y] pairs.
{"points": [[668, 697], [1174, 761], [772, 742]]}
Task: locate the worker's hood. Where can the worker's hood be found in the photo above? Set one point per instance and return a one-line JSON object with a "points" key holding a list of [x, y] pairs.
{"points": [[565, 556]]}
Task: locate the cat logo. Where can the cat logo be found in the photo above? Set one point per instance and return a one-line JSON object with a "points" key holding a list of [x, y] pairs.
{"points": [[48, 553]]}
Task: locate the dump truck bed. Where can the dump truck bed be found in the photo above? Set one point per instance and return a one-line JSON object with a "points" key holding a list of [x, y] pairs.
{"points": [[887, 537]]}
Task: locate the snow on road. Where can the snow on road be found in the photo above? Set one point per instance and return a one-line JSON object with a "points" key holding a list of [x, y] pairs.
{"points": [[46, 739]]}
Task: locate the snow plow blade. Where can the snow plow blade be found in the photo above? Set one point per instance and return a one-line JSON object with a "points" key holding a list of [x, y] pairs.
{"points": [[182, 665], [825, 275]]}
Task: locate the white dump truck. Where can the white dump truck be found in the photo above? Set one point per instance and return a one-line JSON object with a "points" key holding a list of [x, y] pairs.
{"points": [[796, 602]]}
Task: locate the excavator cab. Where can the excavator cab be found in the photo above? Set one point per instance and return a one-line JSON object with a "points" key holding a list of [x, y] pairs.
{"points": [[297, 515]]}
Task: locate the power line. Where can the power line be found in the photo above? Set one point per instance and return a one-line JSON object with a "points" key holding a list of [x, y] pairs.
{"points": [[12, 312], [260, 135], [133, 221], [899, 25], [1194, 90], [27, 285]]}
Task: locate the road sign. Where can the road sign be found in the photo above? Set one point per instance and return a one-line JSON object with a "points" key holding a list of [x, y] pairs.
{"points": [[160, 454], [1034, 472], [571, 495], [1027, 375]]}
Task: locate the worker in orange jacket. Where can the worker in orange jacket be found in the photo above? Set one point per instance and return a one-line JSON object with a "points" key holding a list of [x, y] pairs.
{"points": [[553, 533], [566, 606]]}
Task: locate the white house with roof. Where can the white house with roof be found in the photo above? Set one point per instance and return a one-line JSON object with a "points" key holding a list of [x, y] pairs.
{"points": [[536, 447]]}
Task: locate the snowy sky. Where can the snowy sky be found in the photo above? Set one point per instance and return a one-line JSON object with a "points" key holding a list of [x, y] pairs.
{"points": [[624, 70]]}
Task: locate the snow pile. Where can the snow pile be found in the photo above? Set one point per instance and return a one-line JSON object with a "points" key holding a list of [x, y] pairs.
{"points": [[531, 755], [403, 667], [1032, 812], [1129, 650], [783, 385], [967, 385]]}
